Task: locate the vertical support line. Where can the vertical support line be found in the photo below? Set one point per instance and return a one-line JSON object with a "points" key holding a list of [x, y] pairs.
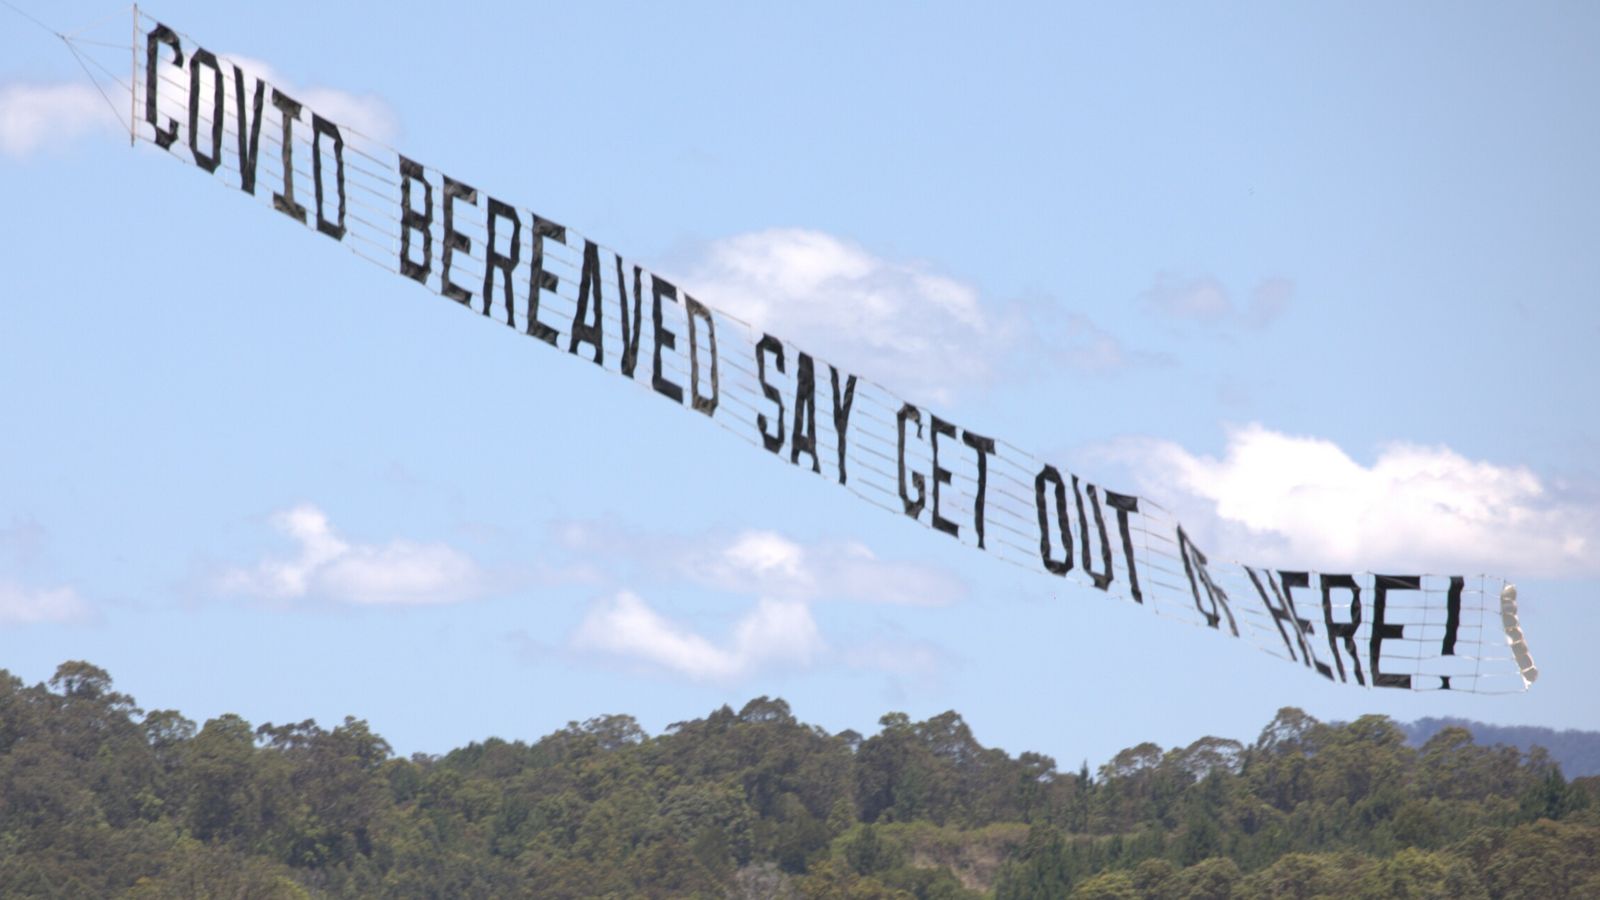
{"points": [[133, 81]]}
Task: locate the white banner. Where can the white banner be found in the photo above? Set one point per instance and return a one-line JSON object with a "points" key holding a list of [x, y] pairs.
{"points": [[579, 297]]}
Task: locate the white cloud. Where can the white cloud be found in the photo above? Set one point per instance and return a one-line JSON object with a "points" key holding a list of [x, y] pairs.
{"points": [[773, 633], [767, 554], [401, 572], [24, 606], [766, 563], [920, 333], [1200, 299], [1088, 347], [366, 113], [787, 577], [1205, 300], [21, 549], [1307, 500], [39, 117], [851, 571], [898, 322]]}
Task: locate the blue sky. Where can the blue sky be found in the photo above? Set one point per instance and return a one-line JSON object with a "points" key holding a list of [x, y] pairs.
{"points": [[1317, 279]]}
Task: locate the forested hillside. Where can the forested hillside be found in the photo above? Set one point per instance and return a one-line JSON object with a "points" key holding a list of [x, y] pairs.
{"points": [[101, 799], [1577, 752]]}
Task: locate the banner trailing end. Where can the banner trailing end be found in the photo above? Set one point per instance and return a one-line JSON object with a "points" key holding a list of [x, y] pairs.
{"points": [[1514, 638]]}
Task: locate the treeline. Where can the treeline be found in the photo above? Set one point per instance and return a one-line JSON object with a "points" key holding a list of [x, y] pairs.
{"points": [[1577, 752], [101, 799]]}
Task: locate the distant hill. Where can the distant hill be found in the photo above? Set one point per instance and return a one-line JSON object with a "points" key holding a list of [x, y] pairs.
{"points": [[1577, 752]]}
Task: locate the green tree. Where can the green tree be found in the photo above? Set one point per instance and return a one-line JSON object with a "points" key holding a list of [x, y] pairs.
{"points": [[224, 799], [1211, 879], [197, 871], [1415, 874], [1117, 885], [1040, 870]]}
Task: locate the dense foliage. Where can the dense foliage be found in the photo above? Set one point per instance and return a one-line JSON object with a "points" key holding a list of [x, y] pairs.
{"points": [[101, 799], [1577, 752]]}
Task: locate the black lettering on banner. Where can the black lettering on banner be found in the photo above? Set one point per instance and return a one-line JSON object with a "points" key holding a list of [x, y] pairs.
{"points": [[659, 288], [1280, 613], [1346, 630], [504, 263], [941, 475], [1194, 566], [161, 34], [804, 439], [1382, 631], [913, 507], [1452, 620], [984, 446], [1102, 580], [321, 127], [454, 240], [698, 310], [1051, 475], [1290, 581], [841, 413], [1124, 505], [289, 111], [587, 329], [204, 58], [539, 279], [773, 441], [411, 220], [630, 333], [249, 132]]}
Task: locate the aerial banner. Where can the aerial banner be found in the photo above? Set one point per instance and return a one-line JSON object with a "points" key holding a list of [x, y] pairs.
{"points": [[578, 297]]}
